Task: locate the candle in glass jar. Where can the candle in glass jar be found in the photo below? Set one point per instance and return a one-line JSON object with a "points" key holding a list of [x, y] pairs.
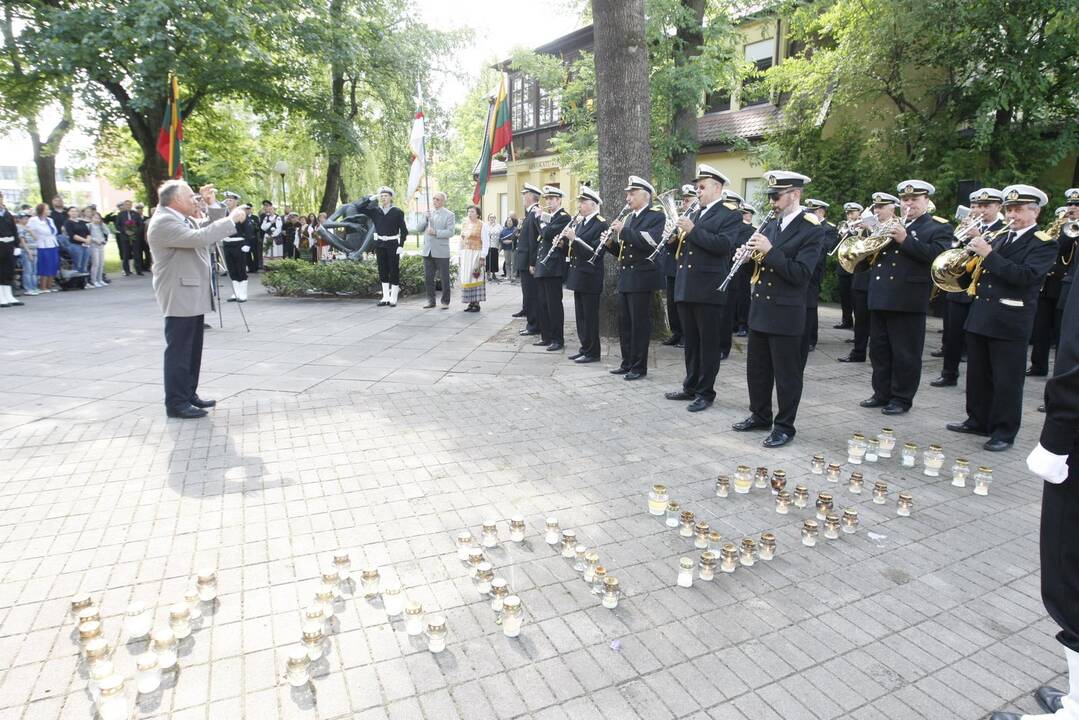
{"points": [[517, 529], [97, 651], [673, 510], [728, 558], [370, 577], [872, 449], [331, 581], [436, 633], [489, 534], [700, 532], [960, 472], [768, 546], [856, 448], [392, 601], [87, 614], [194, 604], [707, 567], [112, 702], [342, 563], [313, 640], [850, 521], [809, 533], [88, 631], [464, 544], [743, 479], [816, 464], [831, 526], [512, 616], [579, 562], [832, 473], [685, 572], [484, 575], [206, 582], [824, 504], [499, 591], [611, 593], [686, 530], [982, 478], [783, 503], [591, 562], [163, 644], [569, 544], [760, 479], [657, 500], [714, 540], [748, 554], [315, 612], [723, 486], [80, 602], [296, 667], [886, 439], [908, 456], [414, 616], [180, 620], [137, 620], [148, 673], [598, 579], [906, 504], [932, 460], [801, 496], [880, 492], [551, 534], [475, 559], [778, 481], [856, 483]]}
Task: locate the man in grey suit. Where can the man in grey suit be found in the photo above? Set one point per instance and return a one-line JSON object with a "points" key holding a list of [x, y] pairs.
{"points": [[183, 286], [436, 250]]}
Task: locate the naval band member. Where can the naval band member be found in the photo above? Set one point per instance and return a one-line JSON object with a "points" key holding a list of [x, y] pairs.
{"points": [[831, 239], [583, 277], [670, 270], [526, 240], [787, 250], [236, 247], [548, 275], [390, 235], [634, 240], [859, 281]]}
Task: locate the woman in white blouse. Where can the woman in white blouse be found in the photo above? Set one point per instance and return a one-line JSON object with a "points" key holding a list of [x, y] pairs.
{"points": [[48, 251]]}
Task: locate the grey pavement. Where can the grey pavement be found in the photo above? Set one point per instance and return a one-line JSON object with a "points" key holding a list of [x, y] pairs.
{"points": [[385, 431]]}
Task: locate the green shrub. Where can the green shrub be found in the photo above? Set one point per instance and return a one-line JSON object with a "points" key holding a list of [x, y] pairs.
{"points": [[340, 278]]}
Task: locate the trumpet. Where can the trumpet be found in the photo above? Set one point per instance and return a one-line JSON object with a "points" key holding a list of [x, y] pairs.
{"points": [[953, 264], [852, 251], [622, 215], [668, 203], [743, 253], [847, 229], [558, 240]]}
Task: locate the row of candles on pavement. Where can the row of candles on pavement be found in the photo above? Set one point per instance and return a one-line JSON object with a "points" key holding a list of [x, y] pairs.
{"points": [[860, 448], [108, 687]]}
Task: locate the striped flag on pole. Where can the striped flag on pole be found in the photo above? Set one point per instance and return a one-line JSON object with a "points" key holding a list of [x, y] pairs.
{"points": [[172, 132]]}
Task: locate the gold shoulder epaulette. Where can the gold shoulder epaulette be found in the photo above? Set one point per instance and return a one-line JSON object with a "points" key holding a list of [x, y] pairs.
{"points": [[939, 219], [731, 205], [601, 218], [811, 217], [829, 223], [1042, 235]]}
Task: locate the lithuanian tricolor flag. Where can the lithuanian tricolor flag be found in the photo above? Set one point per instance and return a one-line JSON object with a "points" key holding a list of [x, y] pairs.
{"points": [[172, 132], [499, 135]]}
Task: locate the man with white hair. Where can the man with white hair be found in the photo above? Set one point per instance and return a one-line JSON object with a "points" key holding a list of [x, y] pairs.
{"points": [[436, 250], [183, 284]]}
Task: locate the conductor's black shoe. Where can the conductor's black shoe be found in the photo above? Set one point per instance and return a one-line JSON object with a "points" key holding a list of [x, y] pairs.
{"points": [[634, 375], [586, 359], [672, 340], [679, 395], [751, 423], [574, 356], [1005, 716], [231, 299], [200, 403], [850, 358], [189, 412], [555, 347], [518, 314], [428, 306], [777, 438], [843, 326], [966, 427], [944, 382], [699, 404], [873, 402], [1049, 698], [1031, 372], [528, 332], [894, 408], [937, 354], [619, 371], [997, 445], [207, 326], [541, 342]]}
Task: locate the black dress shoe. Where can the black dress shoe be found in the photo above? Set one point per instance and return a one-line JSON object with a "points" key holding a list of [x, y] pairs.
{"points": [[586, 359], [541, 342], [843, 326], [894, 408], [200, 403], [944, 382], [966, 427], [518, 314], [231, 299], [428, 306], [997, 445], [679, 395], [777, 438], [187, 413], [528, 332], [873, 402], [619, 371], [849, 341], [555, 347], [1031, 372], [574, 356], [634, 375], [937, 354], [751, 423], [699, 404], [850, 359], [1005, 716], [1049, 698], [679, 344], [672, 340]]}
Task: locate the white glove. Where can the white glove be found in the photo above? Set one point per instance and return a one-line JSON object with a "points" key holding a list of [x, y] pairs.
{"points": [[18, 252], [1051, 468], [400, 251], [245, 248]]}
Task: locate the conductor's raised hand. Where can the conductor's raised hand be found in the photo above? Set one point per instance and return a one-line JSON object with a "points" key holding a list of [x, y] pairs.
{"points": [[238, 215], [209, 195]]}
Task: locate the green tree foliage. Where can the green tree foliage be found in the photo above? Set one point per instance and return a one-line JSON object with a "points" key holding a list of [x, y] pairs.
{"points": [[946, 91]]}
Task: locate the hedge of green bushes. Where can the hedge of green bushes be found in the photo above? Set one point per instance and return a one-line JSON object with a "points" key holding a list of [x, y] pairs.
{"points": [[341, 278]]}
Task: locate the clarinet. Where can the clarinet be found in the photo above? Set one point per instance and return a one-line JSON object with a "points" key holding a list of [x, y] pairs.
{"points": [[558, 240], [742, 254]]}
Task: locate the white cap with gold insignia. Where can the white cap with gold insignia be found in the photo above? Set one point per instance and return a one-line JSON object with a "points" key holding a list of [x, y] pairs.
{"points": [[1020, 194], [909, 188], [707, 171], [637, 182]]}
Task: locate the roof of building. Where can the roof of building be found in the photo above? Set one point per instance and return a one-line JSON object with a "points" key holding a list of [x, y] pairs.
{"points": [[748, 124]]}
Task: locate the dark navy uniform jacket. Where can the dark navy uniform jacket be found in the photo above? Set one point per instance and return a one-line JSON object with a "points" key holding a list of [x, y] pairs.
{"points": [[583, 276], [900, 279], [705, 255], [778, 300], [636, 273], [556, 266]]}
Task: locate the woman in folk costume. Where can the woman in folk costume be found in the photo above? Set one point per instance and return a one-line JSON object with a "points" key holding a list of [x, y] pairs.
{"points": [[470, 263]]}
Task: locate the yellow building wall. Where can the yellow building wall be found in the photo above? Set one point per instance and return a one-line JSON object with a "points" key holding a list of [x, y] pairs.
{"points": [[503, 193]]}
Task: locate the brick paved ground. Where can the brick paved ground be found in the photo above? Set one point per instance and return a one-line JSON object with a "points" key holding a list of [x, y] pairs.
{"points": [[386, 431]]}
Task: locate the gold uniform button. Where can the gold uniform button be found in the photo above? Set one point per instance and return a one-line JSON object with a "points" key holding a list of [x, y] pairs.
{"points": [[891, 277], [878, 277]]}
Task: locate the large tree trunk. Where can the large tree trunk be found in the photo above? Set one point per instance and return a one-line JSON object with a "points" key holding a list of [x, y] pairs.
{"points": [[622, 117], [343, 107], [690, 36], [335, 186]]}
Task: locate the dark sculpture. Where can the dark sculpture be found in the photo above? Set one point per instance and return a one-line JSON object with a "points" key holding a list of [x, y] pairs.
{"points": [[348, 230]]}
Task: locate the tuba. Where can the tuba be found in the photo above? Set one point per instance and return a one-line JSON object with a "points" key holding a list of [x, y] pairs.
{"points": [[855, 250], [952, 265]]}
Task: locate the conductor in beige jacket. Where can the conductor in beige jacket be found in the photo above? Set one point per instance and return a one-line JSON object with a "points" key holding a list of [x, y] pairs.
{"points": [[182, 284]]}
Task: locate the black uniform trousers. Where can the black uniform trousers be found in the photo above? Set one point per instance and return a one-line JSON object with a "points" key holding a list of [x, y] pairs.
{"points": [[389, 266], [529, 300], [129, 253], [552, 318], [143, 248], [896, 341], [634, 329], [740, 293], [236, 259], [995, 384], [674, 317], [183, 359], [701, 323], [1060, 555], [1043, 336], [846, 298], [809, 337], [254, 256], [955, 338], [727, 321], [586, 312], [774, 360], [860, 301]]}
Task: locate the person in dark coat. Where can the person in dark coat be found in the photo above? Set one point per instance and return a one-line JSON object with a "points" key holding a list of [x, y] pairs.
{"points": [[670, 269], [831, 239], [526, 240], [736, 307], [859, 280], [390, 235], [584, 275], [1046, 331], [548, 264]]}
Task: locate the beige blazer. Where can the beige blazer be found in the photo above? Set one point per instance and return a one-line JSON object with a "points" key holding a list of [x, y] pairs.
{"points": [[181, 264]]}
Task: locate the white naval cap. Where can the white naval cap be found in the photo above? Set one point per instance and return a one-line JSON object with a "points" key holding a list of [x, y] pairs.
{"points": [[636, 182], [707, 171], [883, 198], [229, 195], [852, 207], [1017, 194], [784, 180], [1071, 196], [588, 193], [552, 191], [986, 195], [732, 195], [914, 187], [746, 207], [814, 204], [689, 191], [385, 189], [530, 188]]}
